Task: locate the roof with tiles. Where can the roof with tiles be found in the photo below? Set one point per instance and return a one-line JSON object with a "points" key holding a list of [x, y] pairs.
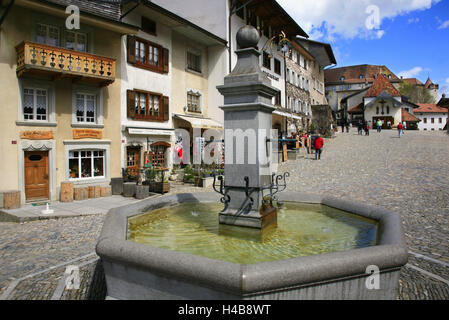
{"points": [[430, 84], [413, 81], [382, 85], [408, 117], [357, 109], [429, 108], [110, 9], [357, 74]]}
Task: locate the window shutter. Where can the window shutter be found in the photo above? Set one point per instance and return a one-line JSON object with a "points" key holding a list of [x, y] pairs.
{"points": [[166, 108], [166, 59], [131, 49], [131, 103]]}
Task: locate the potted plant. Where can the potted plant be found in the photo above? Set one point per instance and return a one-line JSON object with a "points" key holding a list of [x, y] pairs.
{"points": [[189, 174]]}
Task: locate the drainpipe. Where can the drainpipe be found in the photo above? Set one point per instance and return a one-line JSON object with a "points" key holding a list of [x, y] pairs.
{"points": [[3, 17], [285, 87]]}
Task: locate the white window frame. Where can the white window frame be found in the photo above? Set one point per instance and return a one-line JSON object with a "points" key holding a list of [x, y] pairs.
{"points": [[34, 114], [92, 157], [200, 104], [93, 91], [78, 145], [36, 84]]}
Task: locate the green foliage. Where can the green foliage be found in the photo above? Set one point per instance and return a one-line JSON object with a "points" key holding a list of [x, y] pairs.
{"points": [[150, 174], [416, 94]]}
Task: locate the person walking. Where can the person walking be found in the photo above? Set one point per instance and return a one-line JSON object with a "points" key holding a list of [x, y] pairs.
{"points": [[366, 127], [348, 125], [379, 125], [360, 128], [404, 125], [343, 122], [400, 129], [319, 143]]}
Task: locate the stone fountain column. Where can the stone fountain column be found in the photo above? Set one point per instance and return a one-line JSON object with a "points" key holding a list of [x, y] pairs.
{"points": [[247, 122]]}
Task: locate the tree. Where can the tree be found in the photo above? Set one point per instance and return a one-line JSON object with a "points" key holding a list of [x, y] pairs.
{"points": [[415, 93]]}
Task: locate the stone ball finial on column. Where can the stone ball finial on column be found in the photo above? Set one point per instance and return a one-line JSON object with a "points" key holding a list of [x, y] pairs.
{"points": [[247, 37]]}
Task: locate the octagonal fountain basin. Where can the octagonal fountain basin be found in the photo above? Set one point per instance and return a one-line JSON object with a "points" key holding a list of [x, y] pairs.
{"points": [[173, 247]]}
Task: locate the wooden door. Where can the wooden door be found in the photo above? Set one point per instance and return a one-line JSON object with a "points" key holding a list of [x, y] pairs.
{"points": [[385, 122], [133, 161], [36, 175]]}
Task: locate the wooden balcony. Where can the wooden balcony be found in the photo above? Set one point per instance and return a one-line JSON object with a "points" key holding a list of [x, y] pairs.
{"points": [[58, 63]]}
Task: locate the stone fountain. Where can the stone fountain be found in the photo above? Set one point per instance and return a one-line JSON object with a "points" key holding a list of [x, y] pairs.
{"points": [[248, 109], [150, 249]]}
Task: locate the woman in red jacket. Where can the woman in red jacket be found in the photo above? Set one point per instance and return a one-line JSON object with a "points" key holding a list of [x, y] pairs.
{"points": [[319, 143]]}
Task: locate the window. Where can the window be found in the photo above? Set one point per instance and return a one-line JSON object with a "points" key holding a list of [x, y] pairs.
{"points": [[147, 105], [377, 110], [47, 34], [288, 75], [342, 78], [266, 60], [85, 108], [35, 104], [432, 120], [388, 109], [193, 61], [277, 99], [301, 60], [149, 26], [277, 66], [86, 164], [193, 102], [158, 154], [440, 120], [147, 55], [425, 120], [76, 41], [361, 76]]}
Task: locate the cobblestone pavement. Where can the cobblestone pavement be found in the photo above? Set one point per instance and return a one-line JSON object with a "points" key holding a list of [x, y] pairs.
{"points": [[407, 175]]}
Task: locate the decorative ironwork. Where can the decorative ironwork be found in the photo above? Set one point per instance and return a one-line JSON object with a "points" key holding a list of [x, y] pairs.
{"points": [[226, 198], [283, 44], [277, 185]]}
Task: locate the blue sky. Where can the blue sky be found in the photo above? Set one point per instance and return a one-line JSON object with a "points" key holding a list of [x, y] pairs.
{"points": [[411, 37]]}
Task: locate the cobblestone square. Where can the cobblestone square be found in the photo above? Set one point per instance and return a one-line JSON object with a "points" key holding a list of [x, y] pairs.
{"points": [[407, 175]]}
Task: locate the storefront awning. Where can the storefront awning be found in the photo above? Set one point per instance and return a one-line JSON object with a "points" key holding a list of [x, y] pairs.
{"points": [[149, 132], [288, 115], [203, 123]]}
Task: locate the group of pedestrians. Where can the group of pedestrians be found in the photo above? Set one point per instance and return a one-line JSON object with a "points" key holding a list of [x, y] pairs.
{"points": [[363, 126]]}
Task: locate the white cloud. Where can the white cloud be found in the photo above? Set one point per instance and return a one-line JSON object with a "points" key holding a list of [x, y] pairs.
{"points": [[445, 89], [444, 25], [413, 20], [412, 73], [349, 18]]}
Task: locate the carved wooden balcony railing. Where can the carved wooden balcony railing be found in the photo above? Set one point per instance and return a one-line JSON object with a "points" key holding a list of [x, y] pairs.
{"points": [[34, 58]]}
